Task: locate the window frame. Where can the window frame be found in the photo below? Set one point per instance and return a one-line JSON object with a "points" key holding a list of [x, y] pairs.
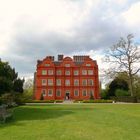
{"points": [[77, 92], [84, 90], [84, 82], [75, 82], [84, 72], [58, 83], [90, 81], [66, 82], [50, 72], [43, 83], [52, 83], [59, 92], [90, 72], [58, 72], [49, 92], [76, 73], [47, 65], [67, 72], [44, 72], [67, 65]]}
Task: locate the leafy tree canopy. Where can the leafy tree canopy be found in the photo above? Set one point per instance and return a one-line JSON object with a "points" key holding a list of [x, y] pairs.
{"points": [[9, 80], [117, 84]]}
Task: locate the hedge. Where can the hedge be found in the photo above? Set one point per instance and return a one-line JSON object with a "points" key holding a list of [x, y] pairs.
{"points": [[40, 101], [97, 101], [93, 101], [59, 101], [128, 99]]}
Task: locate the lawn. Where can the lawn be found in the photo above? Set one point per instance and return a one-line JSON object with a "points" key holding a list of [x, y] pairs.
{"points": [[74, 122]]}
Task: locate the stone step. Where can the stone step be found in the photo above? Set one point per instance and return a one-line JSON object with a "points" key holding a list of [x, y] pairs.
{"points": [[67, 101]]}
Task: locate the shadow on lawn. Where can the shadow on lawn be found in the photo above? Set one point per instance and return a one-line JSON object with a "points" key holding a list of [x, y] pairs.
{"points": [[31, 113], [35, 113]]}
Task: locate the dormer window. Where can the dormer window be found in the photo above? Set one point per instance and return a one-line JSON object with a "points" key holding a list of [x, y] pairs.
{"points": [[88, 65], [47, 65], [67, 65]]}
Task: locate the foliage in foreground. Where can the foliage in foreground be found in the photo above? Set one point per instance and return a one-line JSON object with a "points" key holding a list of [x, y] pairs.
{"points": [[97, 101], [10, 84]]}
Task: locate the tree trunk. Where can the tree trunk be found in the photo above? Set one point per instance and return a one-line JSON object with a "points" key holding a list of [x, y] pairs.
{"points": [[131, 85]]}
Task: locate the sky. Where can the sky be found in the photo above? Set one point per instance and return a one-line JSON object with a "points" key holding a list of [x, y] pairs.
{"points": [[32, 29]]}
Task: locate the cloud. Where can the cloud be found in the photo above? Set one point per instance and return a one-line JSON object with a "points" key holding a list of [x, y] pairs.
{"points": [[30, 29], [131, 17]]}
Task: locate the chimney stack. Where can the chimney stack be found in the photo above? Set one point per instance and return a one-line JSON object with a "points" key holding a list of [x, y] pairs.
{"points": [[60, 57]]}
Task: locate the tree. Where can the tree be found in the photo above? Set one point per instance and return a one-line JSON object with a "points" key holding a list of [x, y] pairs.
{"points": [[18, 85], [121, 92], [7, 77], [28, 83], [136, 86], [28, 89], [9, 81], [117, 84], [104, 93], [125, 56]]}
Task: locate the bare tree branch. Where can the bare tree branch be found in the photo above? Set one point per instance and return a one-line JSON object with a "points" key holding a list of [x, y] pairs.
{"points": [[125, 55]]}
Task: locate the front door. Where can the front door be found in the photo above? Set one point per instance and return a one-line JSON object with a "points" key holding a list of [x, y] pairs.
{"points": [[67, 95]]}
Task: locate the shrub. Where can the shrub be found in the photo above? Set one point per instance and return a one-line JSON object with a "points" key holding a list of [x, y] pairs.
{"points": [[97, 101], [39, 101], [91, 97], [129, 99], [121, 92], [59, 101], [0, 101], [104, 94], [6, 98]]}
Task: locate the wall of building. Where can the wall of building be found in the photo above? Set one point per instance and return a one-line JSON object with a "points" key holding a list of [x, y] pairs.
{"points": [[78, 63]]}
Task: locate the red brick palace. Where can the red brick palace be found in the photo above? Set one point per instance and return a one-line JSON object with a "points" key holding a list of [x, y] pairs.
{"points": [[66, 78]]}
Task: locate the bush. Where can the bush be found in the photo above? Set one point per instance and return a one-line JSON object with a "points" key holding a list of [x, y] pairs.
{"points": [[59, 101], [121, 92], [104, 94], [91, 97], [0, 101], [7, 98], [28, 94], [39, 101], [97, 101], [128, 99]]}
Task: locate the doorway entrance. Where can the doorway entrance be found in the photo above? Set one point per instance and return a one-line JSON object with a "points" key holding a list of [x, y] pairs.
{"points": [[67, 95]]}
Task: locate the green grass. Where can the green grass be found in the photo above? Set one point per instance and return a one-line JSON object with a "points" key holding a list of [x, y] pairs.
{"points": [[74, 122]]}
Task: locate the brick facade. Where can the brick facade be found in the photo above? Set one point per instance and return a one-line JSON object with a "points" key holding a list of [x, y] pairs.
{"points": [[66, 78]]}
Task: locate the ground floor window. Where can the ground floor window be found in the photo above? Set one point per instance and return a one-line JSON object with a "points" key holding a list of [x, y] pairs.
{"points": [[84, 92], [91, 93], [76, 92], [50, 92], [58, 92]]}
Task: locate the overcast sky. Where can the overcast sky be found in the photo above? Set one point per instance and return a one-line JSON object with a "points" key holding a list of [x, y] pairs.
{"points": [[32, 29]]}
